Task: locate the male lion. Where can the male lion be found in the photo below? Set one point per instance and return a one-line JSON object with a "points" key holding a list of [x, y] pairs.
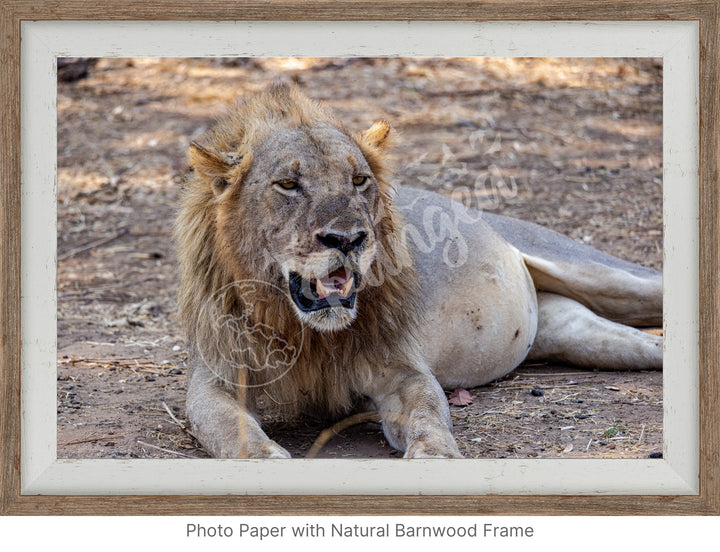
{"points": [[307, 277]]}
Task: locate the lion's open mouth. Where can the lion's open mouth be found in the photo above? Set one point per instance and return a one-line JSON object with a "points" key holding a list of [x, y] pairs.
{"points": [[337, 289]]}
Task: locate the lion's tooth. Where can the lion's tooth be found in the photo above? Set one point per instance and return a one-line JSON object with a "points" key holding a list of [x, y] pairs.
{"points": [[322, 291], [347, 286]]}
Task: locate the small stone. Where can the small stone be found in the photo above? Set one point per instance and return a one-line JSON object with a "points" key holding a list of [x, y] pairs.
{"points": [[655, 455], [537, 392]]}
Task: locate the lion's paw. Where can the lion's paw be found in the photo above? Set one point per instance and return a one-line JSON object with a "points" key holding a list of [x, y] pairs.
{"points": [[424, 449], [270, 449], [256, 449]]}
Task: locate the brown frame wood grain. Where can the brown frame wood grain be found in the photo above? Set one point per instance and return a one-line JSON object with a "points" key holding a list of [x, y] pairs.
{"points": [[706, 12]]}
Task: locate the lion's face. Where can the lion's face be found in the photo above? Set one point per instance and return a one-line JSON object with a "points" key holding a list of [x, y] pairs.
{"points": [[309, 197], [318, 200]]}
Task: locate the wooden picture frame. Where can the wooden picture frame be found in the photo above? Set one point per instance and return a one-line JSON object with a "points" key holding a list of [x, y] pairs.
{"points": [[13, 501]]}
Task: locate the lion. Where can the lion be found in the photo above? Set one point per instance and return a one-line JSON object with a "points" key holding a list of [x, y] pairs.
{"points": [[306, 276]]}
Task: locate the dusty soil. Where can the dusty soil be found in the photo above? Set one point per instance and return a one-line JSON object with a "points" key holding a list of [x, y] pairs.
{"points": [[571, 144]]}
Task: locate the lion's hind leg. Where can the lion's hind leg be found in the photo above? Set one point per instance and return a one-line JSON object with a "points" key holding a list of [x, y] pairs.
{"points": [[570, 332], [627, 297], [613, 288]]}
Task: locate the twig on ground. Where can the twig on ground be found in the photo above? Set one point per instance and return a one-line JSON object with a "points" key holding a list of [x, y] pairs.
{"points": [[110, 285], [642, 432], [93, 244], [76, 360], [180, 424], [89, 440], [119, 363], [143, 443]]}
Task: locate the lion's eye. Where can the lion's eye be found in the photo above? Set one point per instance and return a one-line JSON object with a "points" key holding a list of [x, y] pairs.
{"points": [[287, 184], [359, 180]]}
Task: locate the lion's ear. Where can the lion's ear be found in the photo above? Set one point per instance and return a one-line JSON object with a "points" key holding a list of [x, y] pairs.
{"points": [[216, 168], [377, 135]]}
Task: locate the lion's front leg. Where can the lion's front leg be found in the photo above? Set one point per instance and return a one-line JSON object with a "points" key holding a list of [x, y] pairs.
{"points": [[222, 424], [415, 413]]}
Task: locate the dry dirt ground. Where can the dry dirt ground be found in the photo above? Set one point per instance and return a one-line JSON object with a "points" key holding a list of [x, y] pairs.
{"points": [[572, 144]]}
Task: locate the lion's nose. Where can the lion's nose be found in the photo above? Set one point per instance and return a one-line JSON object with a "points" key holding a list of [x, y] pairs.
{"points": [[343, 242]]}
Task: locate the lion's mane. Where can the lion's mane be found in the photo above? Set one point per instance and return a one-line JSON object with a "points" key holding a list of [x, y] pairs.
{"points": [[231, 301]]}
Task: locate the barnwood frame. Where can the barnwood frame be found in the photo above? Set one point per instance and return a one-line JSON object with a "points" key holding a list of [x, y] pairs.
{"points": [[705, 12]]}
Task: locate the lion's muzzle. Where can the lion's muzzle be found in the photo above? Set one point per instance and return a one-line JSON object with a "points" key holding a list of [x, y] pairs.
{"points": [[341, 241]]}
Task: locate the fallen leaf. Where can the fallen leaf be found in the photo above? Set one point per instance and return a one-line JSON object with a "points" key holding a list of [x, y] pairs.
{"points": [[460, 397]]}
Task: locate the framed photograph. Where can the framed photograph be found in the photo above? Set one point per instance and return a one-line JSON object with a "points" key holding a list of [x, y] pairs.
{"points": [[93, 360]]}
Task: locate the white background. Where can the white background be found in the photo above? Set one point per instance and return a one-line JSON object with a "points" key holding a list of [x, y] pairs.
{"points": [[581, 534]]}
